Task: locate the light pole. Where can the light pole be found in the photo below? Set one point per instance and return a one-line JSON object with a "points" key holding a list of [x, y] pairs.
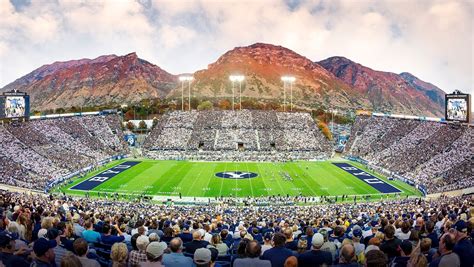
{"points": [[233, 79], [188, 79], [291, 80]]}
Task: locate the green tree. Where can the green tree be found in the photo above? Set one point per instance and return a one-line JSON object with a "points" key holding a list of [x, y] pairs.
{"points": [[206, 105], [142, 124], [130, 126]]}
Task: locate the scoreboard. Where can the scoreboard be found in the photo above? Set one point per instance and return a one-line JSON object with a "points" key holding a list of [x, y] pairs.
{"points": [[458, 107], [14, 105]]}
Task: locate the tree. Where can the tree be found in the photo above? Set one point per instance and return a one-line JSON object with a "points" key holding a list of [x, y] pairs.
{"points": [[155, 122], [130, 126], [142, 124], [225, 104], [129, 115], [325, 130], [206, 105]]}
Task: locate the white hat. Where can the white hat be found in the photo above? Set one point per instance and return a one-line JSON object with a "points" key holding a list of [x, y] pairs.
{"points": [[156, 249], [142, 241], [42, 233], [202, 255], [318, 240], [371, 247]]}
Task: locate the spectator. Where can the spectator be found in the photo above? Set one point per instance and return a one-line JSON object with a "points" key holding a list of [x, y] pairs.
{"points": [[196, 243], [70, 260], [406, 249], [154, 254], [119, 255], [44, 254], [375, 258], [81, 248], [139, 255], [348, 257], [202, 257], [89, 234], [391, 243], [176, 258], [278, 254], [8, 255], [252, 252], [315, 256], [446, 256], [108, 238], [463, 247]]}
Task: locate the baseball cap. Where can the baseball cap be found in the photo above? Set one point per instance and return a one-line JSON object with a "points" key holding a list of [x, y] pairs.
{"points": [[142, 241], [323, 232], [5, 239], [318, 240], [202, 255], [374, 223], [357, 232], [156, 249], [42, 233], [460, 226], [42, 245]]}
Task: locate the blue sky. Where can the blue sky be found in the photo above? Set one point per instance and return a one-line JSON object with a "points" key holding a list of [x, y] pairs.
{"points": [[430, 39]]}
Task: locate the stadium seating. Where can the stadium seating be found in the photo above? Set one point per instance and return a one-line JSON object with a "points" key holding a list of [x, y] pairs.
{"points": [[436, 155], [228, 131], [36, 152]]}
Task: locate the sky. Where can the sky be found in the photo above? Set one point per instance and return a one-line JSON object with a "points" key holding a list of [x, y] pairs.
{"points": [[433, 39]]}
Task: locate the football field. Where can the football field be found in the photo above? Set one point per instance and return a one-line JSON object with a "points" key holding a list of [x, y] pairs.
{"points": [[235, 179]]}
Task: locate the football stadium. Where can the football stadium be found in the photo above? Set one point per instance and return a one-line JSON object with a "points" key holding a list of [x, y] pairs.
{"points": [[276, 154]]}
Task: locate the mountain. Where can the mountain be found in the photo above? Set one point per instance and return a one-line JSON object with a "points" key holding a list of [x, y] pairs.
{"points": [[94, 82], [263, 65], [399, 93], [335, 82]]}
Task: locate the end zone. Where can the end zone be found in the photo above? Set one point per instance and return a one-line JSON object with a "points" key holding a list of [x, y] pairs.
{"points": [[368, 178], [100, 178]]}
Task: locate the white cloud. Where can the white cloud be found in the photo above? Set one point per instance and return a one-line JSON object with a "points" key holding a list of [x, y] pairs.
{"points": [[430, 39]]}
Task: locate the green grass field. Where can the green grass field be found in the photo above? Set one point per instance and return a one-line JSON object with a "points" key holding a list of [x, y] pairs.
{"points": [[198, 179]]}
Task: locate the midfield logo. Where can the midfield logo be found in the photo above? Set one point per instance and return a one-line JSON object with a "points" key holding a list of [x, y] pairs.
{"points": [[236, 175]]}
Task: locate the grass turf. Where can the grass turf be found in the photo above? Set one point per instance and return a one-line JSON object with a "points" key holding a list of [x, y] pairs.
{"points": [[198, 179]]}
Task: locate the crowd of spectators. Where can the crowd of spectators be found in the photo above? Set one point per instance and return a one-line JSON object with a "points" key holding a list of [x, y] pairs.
{"points": [[249, 131], [436, 155], [41, 230], [36, 152]]}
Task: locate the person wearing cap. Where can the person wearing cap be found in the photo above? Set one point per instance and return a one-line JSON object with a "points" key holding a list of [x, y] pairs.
{"points": [[316, 256], [463, 246], [81, 248], [278, 254], [356, 237], [196, 243], [253, 252], [445, 256], [154, 255], [406, 248], [176, 258], [328, 246], [202, 257], [59, 251], [139, 255], [43, 253], [8, 256]]}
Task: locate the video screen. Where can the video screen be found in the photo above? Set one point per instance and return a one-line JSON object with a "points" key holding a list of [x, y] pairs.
{"points": [[14, 107]]}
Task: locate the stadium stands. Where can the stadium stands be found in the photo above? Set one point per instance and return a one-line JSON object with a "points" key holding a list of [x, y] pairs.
{"points": [[436, 155], [253, 133], [109, 232], [34, 153]]}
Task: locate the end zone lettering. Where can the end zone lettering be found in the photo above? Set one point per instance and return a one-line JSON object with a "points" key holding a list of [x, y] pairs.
{"points": [[368, 178], [98, 179]]}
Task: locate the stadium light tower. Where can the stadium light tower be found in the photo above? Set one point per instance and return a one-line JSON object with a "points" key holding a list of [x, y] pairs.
{"points": [[290, 80], [233, 79], [183, 79]]}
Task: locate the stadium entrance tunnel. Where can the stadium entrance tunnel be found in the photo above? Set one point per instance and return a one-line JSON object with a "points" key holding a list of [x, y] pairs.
{"points": [[236, 175]]}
